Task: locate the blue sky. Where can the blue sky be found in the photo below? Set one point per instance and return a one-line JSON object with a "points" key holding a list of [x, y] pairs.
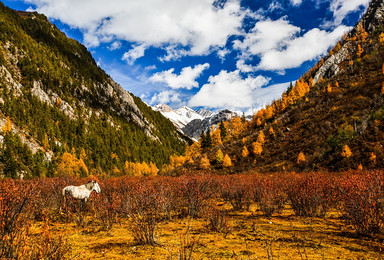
{"points": [[236, 54]]}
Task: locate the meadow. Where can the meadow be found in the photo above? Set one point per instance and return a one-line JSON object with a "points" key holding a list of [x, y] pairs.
{"points": [[244, 216]]}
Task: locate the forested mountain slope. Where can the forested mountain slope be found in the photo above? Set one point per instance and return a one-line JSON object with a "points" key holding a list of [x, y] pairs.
{"points": [[62, 114], [331, 118]]}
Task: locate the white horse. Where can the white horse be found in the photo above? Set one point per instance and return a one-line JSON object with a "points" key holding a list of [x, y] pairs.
{"points": [[81, 192]]}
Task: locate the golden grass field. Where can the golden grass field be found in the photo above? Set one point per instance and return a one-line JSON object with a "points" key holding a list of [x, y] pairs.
{"points": [[249, 236]]}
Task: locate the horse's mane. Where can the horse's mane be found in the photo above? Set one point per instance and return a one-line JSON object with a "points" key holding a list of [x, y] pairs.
{"points": [[89, 185]]}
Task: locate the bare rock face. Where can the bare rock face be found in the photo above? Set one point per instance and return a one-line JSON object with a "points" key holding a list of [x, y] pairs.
{"points": [[371, 20], [331, 65], [374, 16]]}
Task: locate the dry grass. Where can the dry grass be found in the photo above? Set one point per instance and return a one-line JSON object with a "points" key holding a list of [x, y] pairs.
{"points": [[250, 236]]}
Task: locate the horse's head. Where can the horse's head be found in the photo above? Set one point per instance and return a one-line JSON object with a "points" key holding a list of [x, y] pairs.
{"points": [[96, 186]]}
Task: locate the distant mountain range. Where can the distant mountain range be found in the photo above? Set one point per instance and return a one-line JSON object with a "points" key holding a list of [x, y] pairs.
{"points": [[193, 123]]}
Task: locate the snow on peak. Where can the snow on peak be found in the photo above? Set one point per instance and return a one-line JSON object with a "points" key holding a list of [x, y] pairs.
{"points": [[179, 117]]}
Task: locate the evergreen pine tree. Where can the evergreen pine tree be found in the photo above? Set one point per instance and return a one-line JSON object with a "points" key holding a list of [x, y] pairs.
{"points": [[207, 141], [223, 130]]}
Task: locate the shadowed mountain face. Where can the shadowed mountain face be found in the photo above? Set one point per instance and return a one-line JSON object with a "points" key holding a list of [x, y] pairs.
{"points": [[56, 100]]}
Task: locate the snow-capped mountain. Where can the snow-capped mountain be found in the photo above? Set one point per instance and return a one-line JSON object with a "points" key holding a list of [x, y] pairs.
{"points": [[193, 123], [179, 117], [195, 128]]}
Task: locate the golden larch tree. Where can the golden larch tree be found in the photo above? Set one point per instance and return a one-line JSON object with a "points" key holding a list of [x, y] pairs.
{"points": [[261, 137], [204, 162], [346, 151], [301, 158], [257, 148], [219, 156], [227, 162], [7, 126], [245, 152]]}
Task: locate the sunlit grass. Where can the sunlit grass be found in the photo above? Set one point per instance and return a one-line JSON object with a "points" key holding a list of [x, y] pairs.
{"points": [[249, 236]]}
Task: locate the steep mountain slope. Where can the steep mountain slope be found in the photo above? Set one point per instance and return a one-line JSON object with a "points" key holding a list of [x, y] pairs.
{"points": [[332, 118], [56, 100]]}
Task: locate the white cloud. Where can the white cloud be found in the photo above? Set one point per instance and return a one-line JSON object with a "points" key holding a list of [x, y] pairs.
{"points": [[185, 80], [267, 35], [133, 54], [264, 96], [196, 24], [311, 45], [115, 46], [245, 68], [228, 90], [222, 53], [296, 2], [173, 52], [165, 97], [280, 47], [341, 8]]}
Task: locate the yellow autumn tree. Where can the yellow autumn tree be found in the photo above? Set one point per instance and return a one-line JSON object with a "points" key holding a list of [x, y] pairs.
{"points": [[257, 147], [177, 160], [204, 162], [7, 126], [381, 38], [216, 136], [70, 165], [372, 158], [301, 158], [271, 131], [261, 137], [245, 152], [193, 151], [227, 162], [361, 33], [83, 155], [346, 151], [219, 156], [236, 127], [359, 50]]}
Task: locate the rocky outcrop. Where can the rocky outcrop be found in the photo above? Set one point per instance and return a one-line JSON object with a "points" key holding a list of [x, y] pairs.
{"points": [[373, 18], [331, 65]]}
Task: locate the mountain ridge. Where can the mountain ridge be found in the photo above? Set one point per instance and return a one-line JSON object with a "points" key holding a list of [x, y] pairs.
{"points": [[53, 93]]}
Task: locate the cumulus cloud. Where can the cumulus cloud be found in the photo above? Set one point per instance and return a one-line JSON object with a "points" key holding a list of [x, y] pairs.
{"points": [[165, 97], [185, 80], [198, 24], [245, 68], [341, 8], [228, 90], [311, 45], [280, 45], [267, 35], [133, 54]]}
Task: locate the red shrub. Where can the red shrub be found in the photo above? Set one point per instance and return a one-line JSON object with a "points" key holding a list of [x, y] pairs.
{"points": [[237, 190], [363, 201], [269, 194], [196, 192], [312, 194], [15, 197]]}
